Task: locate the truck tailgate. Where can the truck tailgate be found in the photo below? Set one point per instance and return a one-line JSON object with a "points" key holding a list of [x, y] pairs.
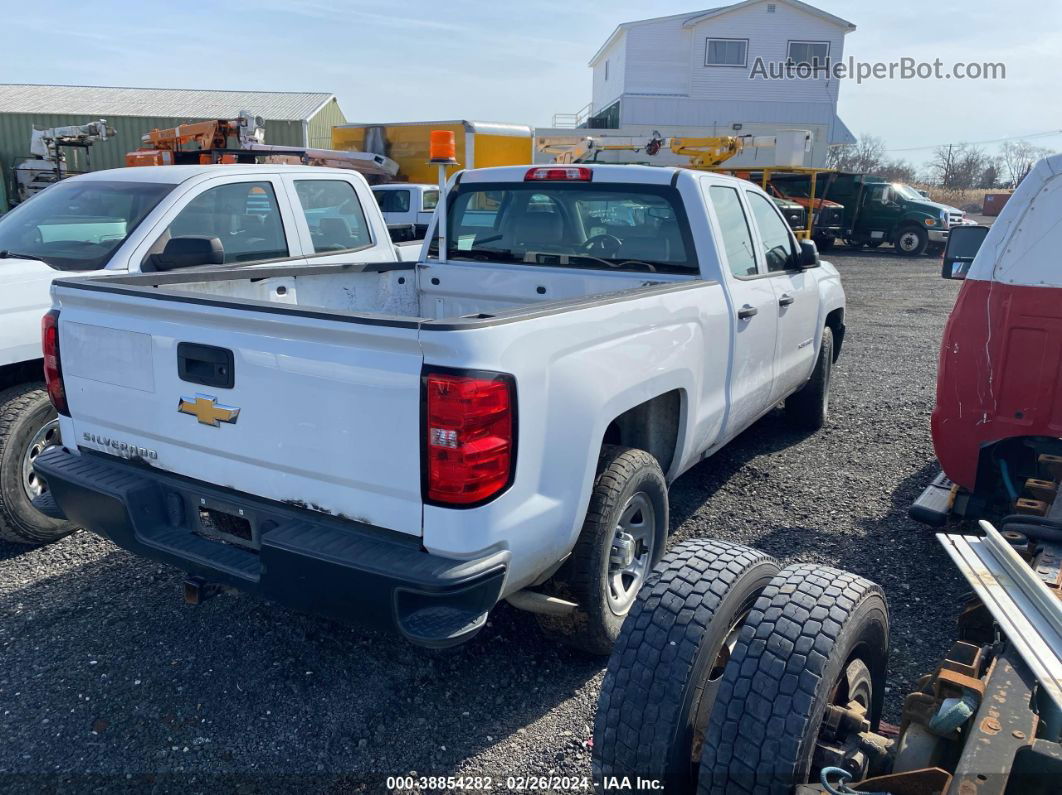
{"points": [[328, 411]]}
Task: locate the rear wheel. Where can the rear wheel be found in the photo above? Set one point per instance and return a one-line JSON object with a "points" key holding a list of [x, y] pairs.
{"points": [[911, 241], [28, 426], [623, 537], [669, 659], [807, 674]]}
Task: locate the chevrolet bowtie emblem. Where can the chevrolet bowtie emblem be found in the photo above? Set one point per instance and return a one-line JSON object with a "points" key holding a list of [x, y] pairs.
{"points": [[207, 410]]}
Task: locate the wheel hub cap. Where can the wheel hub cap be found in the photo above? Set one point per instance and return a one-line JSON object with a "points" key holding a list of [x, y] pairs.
{"points": [[46, 436], [632, 551]]}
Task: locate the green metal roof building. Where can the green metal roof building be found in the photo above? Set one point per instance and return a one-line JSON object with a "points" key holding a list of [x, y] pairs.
{"points": [[291, 118]]}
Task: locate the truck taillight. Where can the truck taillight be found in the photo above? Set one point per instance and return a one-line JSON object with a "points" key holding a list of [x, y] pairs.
{"points": [[53, 367], [559, 174], [469, 436]]}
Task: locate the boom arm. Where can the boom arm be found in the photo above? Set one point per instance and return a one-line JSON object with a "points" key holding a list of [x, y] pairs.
{"points": [[45, 143], [703, 153]]}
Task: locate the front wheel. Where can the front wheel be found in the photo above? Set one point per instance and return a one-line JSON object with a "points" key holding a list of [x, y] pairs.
{"points": [[911, 241], [28, 426], [815, 643], [810, 407], [669, 659], [623, 537]]}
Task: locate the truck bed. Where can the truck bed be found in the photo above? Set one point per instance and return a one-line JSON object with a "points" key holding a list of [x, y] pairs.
{"points": [[324, 364], [403, 294]]}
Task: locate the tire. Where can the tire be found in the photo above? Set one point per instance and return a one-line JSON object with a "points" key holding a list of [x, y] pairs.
{"points": [[824, 243], [816, 635], [667, 663], [26, 418], [809, 408], [627, 480], [911, 241]]}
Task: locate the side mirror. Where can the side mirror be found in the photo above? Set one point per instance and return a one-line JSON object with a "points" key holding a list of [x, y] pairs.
{"points": [[963, 244], [402, 233], [190, 251], [808, 256]]}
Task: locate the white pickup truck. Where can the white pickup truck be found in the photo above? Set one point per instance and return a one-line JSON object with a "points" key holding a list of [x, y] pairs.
{"points": [[412, 442], [408, 204], [134, 220]]}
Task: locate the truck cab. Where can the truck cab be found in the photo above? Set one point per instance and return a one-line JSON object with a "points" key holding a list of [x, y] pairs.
{"points": [[897, 213], [406, 204], [152, 220]]}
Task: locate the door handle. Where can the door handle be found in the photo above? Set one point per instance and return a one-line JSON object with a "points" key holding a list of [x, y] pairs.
{"points": [[747, 311], [786, 300]]}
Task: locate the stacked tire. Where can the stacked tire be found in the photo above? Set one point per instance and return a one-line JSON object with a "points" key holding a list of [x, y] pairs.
{"points": [[725, 666]]}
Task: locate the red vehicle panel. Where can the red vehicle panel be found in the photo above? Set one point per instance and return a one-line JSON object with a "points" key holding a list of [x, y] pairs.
{"points": [[1000, 372]]}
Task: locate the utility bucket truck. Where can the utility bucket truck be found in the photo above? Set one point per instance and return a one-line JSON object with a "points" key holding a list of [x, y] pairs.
{"points": [[49, 163]]}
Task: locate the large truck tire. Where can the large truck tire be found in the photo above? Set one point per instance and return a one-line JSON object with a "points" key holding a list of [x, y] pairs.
{"points": [[622, 538], [669, 659], [911, 241], [809, 408], [27, 426], [816, 636]]}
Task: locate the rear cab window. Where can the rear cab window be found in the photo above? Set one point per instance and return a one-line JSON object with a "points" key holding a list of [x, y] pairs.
{"points": [[572, 224], [392, 201], [333, 214]]}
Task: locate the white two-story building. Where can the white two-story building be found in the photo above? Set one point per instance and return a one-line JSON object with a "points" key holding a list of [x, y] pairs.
{"points": [[701, 73]]}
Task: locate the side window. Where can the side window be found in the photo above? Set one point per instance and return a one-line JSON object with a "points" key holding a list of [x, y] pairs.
{"points": [[393, 201], [775, 238], [243, 216], [734, 227], [430, 200], [334, 215]]}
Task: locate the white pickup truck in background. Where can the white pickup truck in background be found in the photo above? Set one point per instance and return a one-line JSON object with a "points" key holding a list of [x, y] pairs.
{"points": [[408, 205], [134, 220], [409, 443]]}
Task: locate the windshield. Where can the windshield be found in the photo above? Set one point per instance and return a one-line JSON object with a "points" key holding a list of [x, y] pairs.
{"points": [[77, 225], [907, 192], [574, 224]]}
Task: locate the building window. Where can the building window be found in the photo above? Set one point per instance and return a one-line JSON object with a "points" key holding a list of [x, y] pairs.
{"points": [[726, 52], [813, 53], [606, 70], [771, 8]]}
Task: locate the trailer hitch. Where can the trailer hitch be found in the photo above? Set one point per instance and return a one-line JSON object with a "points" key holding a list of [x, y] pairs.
{"points": [[197, 590]]}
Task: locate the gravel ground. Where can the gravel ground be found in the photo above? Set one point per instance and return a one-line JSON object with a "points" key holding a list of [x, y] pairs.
{"points": [[107, 681]]}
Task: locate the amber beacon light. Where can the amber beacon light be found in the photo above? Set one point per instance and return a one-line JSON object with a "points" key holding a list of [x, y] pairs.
{"points": [[442, 152]]}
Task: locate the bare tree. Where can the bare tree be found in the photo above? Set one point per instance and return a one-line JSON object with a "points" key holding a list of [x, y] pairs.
{"points": [[990, 176], [897, 171], [1018, 158], [942, 165], [958, 166], [865, 156]]}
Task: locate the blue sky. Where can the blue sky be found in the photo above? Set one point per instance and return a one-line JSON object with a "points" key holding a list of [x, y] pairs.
{"points": [[523, 62]]}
